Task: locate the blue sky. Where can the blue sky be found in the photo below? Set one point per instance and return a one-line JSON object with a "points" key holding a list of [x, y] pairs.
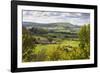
{"points": [[56, 17]]}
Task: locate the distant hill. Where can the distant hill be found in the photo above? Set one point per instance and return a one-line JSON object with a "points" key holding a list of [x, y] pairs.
{"points": [[52, 26]]}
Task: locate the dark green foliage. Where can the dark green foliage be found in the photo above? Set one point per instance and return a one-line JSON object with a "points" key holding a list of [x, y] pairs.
{"points": [[38, 30], [50, 39], [27, 45], [84, 37]]}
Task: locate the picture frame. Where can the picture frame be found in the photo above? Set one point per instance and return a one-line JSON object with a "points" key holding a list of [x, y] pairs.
{"points": [[19, 8]]}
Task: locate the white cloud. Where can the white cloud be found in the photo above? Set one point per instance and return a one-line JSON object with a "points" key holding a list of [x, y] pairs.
{"points": [[53, 17]]}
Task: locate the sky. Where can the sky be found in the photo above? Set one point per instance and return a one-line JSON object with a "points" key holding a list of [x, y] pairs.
{"points": [[45, 17]]}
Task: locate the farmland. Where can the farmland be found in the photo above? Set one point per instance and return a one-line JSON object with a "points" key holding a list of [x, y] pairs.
{"points": [[52, 42]]}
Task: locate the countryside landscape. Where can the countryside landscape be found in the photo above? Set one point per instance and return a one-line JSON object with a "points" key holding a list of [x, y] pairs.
{"points": [[55, 36]]}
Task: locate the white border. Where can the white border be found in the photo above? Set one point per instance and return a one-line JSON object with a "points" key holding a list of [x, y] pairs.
{"points": [[53, 63]]}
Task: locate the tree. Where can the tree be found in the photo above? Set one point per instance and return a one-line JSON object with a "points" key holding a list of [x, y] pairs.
{"points": [[50, 39], [84, 37], [27, 45]]}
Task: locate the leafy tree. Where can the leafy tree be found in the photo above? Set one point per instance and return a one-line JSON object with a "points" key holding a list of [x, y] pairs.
{"points": [[50, 39], [27, 45], [84, 37]]}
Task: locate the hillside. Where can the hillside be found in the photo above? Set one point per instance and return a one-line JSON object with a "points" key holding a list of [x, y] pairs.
{"points": [[52, 26]]}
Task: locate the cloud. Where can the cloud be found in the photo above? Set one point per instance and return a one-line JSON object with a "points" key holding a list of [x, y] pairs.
{"points": [[53, 17]]}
